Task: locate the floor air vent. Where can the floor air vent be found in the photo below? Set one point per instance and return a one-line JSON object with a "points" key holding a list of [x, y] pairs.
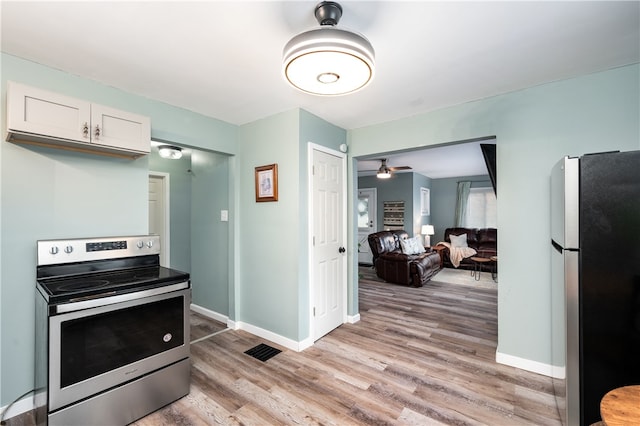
{"points": [[263, 352]]}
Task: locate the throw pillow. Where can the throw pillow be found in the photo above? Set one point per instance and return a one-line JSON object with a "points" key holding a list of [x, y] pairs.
{"points": [[417, 245], [411, 246], [458, 240]]}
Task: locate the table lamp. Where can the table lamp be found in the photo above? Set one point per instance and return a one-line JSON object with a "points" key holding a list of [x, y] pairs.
{"points": [[427, 231]]}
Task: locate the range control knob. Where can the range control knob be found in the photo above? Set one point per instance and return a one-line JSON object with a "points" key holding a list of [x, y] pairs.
{"points": [[68, 249], [54, 250], [149, 243], [140, 244]]}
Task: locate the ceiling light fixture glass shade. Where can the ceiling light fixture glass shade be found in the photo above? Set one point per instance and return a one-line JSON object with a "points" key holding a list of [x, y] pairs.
{"points": [[328, 60], [170, 152], [383, 173]]}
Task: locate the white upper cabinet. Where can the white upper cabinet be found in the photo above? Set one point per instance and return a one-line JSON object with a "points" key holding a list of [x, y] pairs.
{"points": [[36, 111], [43, 117], [120, 129]]}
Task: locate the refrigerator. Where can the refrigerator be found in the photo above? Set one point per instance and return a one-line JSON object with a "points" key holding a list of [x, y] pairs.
{"points": [[595, 280]]}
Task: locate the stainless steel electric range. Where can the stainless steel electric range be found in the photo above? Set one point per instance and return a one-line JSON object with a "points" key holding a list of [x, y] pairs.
{"points": [[112, 331]]}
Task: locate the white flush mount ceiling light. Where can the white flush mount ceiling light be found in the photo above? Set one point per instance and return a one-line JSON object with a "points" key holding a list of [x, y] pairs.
{"points": [[170, 152], [328, 60]]}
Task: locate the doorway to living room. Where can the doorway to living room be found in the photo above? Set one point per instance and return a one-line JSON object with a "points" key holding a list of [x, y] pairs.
{"points": [[436, 172]]}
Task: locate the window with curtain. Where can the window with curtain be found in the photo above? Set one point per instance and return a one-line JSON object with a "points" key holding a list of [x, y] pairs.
{"points": [[461, 203], [481, 209]]}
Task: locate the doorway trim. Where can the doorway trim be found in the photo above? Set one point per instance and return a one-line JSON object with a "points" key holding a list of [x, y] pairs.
{"points": [[311, 148], [362, 243], [165, 253]]}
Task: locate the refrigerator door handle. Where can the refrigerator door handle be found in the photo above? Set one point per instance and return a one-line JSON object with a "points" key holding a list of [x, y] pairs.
{"points": [[572, 294]]}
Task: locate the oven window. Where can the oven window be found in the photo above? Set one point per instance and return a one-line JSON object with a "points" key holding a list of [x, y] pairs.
{"points": [[99, 343]]}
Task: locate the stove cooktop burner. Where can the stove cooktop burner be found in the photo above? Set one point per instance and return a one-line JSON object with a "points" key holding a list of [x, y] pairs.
{"points": [[61, 289], [82, 285]]}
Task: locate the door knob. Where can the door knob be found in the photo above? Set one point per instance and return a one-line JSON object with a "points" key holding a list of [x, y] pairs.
{"points": [[341, 250]]}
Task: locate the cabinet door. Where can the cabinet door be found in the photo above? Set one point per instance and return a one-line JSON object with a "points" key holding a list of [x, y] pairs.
{"points": [[120, 129], [35, 111]]}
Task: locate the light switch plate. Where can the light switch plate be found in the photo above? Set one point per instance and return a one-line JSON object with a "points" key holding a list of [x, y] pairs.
{"points": [[224, 215]]}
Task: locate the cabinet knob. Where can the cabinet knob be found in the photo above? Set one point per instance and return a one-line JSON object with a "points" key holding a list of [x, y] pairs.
{"points": [[85, 129], [97, 133]]}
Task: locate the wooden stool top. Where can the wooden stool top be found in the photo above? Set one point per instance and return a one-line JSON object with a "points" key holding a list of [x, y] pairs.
{"points": [[621, 406]]}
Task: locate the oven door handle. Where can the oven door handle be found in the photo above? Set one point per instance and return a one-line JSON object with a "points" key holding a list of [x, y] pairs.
{"points": [[102, 300]]}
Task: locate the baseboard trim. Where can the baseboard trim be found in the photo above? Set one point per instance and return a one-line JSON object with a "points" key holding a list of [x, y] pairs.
{"points": [[209, 313], [19, 407], [529, 365], [291, 344], [256, 331], [558, 372], [271, 336]]}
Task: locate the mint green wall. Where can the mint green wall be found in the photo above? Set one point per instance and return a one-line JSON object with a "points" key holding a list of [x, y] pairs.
{"points": [[270, 233], [320, 132], [48, 193], [444, 193], [534, 128], [196, 199], [210, 235], [179, 206], [273, 239]]}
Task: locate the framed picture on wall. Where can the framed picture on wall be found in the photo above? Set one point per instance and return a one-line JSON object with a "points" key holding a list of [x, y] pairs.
{"points": [[424, 202], [267, 183]]}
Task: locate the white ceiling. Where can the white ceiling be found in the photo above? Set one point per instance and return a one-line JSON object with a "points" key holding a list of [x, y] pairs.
{"points": [[440, 162], [223, 58]]}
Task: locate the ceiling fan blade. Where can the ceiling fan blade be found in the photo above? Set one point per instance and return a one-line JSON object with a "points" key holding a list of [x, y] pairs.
{"points": [[399, 168]]}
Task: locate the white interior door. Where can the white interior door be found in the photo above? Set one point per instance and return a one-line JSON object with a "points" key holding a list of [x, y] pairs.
{"points": [[159, 212], [329, 274], [367, 220]]}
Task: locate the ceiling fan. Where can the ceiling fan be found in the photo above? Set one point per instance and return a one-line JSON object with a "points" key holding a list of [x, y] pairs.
{"points": [[384, 171]]}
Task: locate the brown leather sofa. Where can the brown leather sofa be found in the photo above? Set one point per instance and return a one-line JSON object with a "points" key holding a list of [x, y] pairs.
{"points": [[484, 241], [394, 266]]}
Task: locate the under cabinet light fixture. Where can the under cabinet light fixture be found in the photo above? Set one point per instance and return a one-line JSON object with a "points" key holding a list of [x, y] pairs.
{"points": [[169, 151]]}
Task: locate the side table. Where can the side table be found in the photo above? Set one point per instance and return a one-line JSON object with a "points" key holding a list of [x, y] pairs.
{"points": [[477, 266], [439, 249], [621, 406], [494, 268]]}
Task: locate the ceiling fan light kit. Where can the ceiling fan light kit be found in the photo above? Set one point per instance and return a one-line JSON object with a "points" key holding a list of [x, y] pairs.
{"points": [[383, 174], [384, 171], [328, 61]]}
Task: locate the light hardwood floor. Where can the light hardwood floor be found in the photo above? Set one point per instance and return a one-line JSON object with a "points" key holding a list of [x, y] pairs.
{"points": [[422, 356]]}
